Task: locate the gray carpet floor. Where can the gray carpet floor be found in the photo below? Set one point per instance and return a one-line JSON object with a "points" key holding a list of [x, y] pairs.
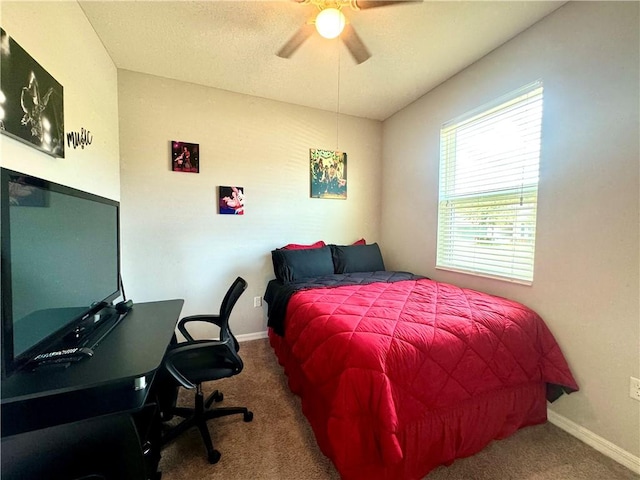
{"points": [[279, 443]]}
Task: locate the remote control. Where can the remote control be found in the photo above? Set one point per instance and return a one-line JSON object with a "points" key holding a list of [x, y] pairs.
{"points": [[64, 356]]}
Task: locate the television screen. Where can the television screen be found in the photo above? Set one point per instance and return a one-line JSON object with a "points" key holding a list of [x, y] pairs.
{"points": [[60, 262]]}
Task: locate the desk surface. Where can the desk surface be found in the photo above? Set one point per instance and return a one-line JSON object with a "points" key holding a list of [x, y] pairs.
{"points": [[133, 349]]}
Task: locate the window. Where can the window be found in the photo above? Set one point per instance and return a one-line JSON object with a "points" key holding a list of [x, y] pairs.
{"points": [[489, 162]]}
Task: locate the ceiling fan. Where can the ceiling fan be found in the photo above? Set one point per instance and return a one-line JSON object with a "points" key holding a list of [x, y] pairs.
{"points": [[330, 22]]}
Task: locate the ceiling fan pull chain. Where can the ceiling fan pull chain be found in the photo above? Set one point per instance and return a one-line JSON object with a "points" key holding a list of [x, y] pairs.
{"points": [[338, 103]]}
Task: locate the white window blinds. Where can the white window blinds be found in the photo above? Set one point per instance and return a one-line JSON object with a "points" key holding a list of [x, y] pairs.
{"points": [[489, 162]]}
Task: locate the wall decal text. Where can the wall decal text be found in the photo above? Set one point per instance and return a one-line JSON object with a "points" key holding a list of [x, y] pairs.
{"points": [[79, 139]]}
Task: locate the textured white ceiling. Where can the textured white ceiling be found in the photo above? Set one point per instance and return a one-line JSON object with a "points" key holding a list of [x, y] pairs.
{"points": [[232, 45]]}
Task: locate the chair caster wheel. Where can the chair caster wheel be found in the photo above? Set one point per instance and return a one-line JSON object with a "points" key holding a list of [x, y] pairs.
{"points": [[248, 416], [214, 457]]}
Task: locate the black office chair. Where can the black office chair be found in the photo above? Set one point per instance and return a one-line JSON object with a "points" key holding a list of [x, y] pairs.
{"points": [[195, 361]]}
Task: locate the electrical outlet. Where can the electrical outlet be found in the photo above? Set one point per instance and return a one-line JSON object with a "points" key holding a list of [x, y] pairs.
{"points": [[257, 301], [634, 388]]}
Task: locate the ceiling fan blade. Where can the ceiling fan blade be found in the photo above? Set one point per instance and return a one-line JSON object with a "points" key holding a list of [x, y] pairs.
{"points": [[355, 45], [362, 4], [296, 40]]}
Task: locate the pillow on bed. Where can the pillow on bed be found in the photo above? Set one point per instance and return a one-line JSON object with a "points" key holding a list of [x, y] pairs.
{"points": [[297, 264], [362, 241], [298, 246], [357, 258]]}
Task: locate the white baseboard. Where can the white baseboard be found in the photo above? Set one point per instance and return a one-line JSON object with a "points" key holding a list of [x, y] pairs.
{"points": [[251, 336], [600, 444]]}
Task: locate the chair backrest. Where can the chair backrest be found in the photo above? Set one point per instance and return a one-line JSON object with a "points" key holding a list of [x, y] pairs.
{"points": [[231, 297]]}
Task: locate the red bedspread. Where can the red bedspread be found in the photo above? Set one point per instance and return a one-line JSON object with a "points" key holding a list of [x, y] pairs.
{"points": [[397, 378]]}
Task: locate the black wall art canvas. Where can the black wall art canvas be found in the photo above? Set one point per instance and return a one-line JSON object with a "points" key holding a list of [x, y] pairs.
{"points": [[31, 100], [185, 157]]}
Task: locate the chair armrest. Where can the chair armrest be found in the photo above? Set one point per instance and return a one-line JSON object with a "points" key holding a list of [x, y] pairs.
{"points": [[181, 379], [214, 319]]}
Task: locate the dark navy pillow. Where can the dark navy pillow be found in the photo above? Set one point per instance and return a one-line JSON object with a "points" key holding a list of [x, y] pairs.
{"points": [[294, 265], [357, 258]]}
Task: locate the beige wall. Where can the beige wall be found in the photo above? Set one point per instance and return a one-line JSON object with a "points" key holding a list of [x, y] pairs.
{"points": [[176, 245], [586, 268], [59, 37]]}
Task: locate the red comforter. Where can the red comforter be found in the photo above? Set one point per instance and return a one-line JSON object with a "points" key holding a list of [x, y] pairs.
{"points": [[398, 378]]}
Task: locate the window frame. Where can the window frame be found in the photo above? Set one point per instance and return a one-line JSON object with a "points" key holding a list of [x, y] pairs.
{"points": [[459, 240]]}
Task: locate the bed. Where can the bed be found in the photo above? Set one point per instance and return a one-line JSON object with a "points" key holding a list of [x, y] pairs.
{"points": [[398, 373]]}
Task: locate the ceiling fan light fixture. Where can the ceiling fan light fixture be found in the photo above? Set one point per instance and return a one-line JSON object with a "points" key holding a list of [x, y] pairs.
{"points": [[330, 22]]}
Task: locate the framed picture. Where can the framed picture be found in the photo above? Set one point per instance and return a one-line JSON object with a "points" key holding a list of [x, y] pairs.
{"points": [[185, 157], [328, 173], [31, 100], [231, 200]]}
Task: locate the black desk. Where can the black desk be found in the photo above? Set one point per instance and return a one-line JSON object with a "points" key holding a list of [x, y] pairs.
{"points": [[92, 402]]}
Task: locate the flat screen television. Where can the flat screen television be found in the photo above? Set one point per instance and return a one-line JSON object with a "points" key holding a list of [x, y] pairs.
{"points": [[60, 264]]}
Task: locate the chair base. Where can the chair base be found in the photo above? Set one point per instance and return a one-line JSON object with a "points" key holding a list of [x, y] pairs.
{"points": [[198, 416]]}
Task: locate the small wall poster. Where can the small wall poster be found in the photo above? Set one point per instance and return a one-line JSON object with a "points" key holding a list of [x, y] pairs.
{"points": [[231, 200], [31, 100], [328, 173], [185, 157]]}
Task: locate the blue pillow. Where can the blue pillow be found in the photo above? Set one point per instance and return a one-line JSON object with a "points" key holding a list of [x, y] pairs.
{"points": [[357, 258], [294, 265]]}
